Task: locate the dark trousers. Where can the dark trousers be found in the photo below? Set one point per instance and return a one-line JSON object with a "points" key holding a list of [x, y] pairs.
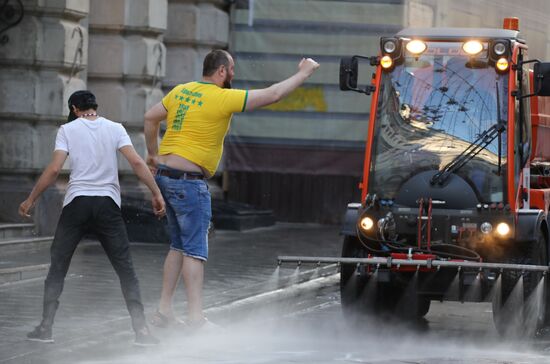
{"points": [[99, 215]]}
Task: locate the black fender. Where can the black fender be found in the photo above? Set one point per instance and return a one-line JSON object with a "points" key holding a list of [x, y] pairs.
{"points": [[350, 220], [530, 222]]}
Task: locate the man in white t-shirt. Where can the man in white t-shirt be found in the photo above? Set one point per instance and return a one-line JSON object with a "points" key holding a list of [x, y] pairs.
{"points": [[92, 204]]}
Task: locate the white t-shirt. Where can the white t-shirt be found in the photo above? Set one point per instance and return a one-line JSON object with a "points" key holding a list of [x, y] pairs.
{"points": [[92, 146]]}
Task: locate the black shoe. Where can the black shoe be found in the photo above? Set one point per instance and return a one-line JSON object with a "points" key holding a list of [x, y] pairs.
{"points": [[41, 333], [145, 338]]}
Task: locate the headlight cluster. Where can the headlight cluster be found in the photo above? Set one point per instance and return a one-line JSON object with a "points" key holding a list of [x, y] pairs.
{"points": [[497, 50], [500, 53], [391, 50], [366, 225], [502, 229]]}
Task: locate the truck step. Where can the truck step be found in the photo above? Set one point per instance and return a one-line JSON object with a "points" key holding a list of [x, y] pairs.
{"points": [[11, 246], [16, 230], [23, 273]]}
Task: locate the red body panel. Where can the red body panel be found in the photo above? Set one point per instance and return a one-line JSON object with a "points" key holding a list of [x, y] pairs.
{"points": [[412, 268]]}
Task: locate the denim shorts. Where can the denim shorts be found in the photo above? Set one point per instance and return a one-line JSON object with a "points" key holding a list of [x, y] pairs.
{"points": [[188, 209]]}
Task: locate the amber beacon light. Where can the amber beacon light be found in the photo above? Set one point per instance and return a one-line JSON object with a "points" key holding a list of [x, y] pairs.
{"points": [[511, 23]]}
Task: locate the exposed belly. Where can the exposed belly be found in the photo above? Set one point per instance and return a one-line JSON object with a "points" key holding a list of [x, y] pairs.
{"points": [[177, 162]]}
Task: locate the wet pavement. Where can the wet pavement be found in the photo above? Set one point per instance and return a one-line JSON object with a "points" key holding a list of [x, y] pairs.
{"points": [[262, 314], [309, 328], [92, 309]]}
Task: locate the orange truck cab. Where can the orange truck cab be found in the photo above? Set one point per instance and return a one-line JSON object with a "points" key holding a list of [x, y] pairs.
{"points": [[457, 168]]}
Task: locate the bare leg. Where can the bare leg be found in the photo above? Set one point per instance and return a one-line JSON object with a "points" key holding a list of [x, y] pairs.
{"points": [[170, 277], [193, 277]]}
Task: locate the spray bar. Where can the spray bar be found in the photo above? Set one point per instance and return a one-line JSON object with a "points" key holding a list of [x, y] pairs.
{"points": [[429, 263]]}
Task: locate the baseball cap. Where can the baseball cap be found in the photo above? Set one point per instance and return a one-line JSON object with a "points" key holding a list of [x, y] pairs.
{"points": [[82, 100]]}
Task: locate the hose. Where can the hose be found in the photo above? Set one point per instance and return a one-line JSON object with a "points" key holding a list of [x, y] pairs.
{"points": [[472, 255]]}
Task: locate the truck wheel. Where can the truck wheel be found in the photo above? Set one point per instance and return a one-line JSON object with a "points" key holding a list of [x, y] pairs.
{"points": [[423, 306], [410, 304], [351, 284], [354, 300], [511, 313]]}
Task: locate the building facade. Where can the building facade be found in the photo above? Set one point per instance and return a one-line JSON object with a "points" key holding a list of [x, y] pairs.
{"points": [[301, 157]]}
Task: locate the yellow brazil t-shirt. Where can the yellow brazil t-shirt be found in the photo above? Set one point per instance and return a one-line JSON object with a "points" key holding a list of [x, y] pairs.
{"points": [[198, 119]]}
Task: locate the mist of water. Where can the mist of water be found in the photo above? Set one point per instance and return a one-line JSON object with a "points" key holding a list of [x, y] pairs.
{"points": [[408, 302], [534, 309], [474, 293], [288, 338], [368, 294], [295, 276], [315, 273], [512, 310], [273, 281], [453, 292]]}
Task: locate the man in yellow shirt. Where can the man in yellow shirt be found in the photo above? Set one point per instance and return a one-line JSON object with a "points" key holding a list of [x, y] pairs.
{"points": [[198, 115]]}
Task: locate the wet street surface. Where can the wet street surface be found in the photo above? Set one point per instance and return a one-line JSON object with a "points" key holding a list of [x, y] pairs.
{"points": [[310, 328], [257, 318]]}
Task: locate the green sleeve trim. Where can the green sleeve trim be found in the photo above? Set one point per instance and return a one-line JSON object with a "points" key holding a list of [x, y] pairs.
{"points": [[245, 99]]}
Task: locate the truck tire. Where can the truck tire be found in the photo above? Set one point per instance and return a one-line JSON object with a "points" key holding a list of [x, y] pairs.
{"points": [[352, 286], [410, 305], [511, 314], [381, 298], [423, 306]]}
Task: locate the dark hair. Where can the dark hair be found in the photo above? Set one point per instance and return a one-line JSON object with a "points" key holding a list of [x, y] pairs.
{"points": [[82, 100], [214, 60]]}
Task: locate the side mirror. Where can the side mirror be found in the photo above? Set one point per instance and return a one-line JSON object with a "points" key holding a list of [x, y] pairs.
{"points": [[348, 73], [541, 78]]}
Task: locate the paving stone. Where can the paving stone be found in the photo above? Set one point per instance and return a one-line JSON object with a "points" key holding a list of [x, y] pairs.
{"points": [[92, 306]]}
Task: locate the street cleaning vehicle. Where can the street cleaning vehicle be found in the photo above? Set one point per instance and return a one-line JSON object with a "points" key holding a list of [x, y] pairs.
{"points": [[456, 181]]}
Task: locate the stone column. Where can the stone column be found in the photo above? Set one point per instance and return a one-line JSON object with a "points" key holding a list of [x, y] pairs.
{"points": [[194, 28], [126, 66], [127, 62], [41, 59]]}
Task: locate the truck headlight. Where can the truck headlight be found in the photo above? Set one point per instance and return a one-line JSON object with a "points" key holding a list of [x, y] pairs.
{"points": [[472, 47], [416, 47], [503, 229], [366, 223], [499, 48], [486, 228], [502, 64], [390, 46], [386, 62]]}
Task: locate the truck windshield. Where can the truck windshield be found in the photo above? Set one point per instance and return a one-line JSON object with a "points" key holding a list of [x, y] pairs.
{"points": [[430, 109]]}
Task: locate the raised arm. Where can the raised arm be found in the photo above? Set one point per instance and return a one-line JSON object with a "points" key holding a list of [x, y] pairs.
{"points": [[275, 92], [153, 117], [46, 179], [143, 173]]}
